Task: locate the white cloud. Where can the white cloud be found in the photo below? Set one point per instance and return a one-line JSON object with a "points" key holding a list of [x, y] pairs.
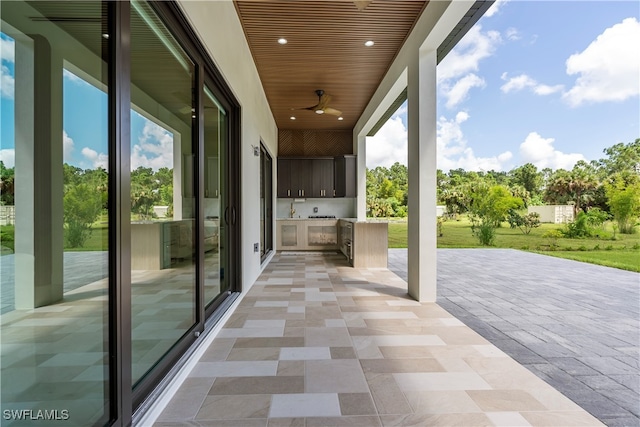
{"points": [[495, 8], [72, 77], [7, 50], [466, 56], [389, 145], [67, 146], [456, 73], [7, 83], [8, 157], [523, 81], [7, 55], [512, 34], [98, 160], [460, 90], [453, 152], [540, 151], [154, 148], [608, 68]]}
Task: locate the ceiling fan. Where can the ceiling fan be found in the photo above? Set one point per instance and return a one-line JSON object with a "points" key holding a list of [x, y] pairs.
{"points": [[321, 107]]}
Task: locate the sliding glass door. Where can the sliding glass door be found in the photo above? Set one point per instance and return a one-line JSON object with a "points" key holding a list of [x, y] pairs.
{"points": [[215, 198], [119, 189], [54, 214]]}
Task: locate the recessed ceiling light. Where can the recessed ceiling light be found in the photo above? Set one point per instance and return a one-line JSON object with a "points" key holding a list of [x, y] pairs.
{"points": [[282, 40], [369, 43], [340, 118], [319, 111], [292, 117]]}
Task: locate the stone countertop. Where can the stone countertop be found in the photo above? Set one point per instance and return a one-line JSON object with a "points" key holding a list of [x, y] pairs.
{"points": [[307, 219], [354, 220]]}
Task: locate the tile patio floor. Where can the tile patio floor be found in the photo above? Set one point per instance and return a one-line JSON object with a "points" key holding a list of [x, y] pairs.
{"points": [[317, 343], [575, 325]]}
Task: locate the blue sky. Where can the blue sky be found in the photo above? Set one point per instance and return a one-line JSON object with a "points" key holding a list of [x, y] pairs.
{"points": [[546, 82], [84, 123]]}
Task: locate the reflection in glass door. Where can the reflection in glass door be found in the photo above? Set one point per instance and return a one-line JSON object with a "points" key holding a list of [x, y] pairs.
{"points": [[215, 202], [163, 239], [54, 219]]}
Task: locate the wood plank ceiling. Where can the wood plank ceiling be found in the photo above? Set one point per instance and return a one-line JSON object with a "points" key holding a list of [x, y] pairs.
{"points": [[325, 50]]}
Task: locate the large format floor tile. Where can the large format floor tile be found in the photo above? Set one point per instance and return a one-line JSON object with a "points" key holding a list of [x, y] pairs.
{"points": [[317, 343]]}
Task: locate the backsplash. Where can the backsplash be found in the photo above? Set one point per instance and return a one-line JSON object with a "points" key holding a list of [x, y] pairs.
{"points": [[340, 207]]}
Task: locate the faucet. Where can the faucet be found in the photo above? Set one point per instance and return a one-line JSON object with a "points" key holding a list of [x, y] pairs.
{"points": [[292, 211]]}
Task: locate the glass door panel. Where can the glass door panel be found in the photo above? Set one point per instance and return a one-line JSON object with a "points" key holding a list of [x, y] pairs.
{"points": [[163, 232], [215, 142], [54, 271]]}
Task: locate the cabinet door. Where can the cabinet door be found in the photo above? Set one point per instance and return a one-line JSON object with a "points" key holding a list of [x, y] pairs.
{"points": [[301, 177], [284, 178], [345, 176], [322, 178]]}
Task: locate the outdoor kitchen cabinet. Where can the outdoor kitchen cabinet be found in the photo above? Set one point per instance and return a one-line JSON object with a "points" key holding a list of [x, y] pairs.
{"points": [[295, 177], [318, 177], [345, 176], [322, 178]]}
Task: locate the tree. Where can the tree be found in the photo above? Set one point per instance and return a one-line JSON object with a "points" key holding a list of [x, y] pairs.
{"points": [[488, 208], [144, 191], [578, 186], [621, 158], [82, 207], [7, 185], [623, 194], [527, 176]]}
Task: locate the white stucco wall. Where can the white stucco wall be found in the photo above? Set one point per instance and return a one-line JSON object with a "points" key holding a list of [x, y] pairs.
{"points": [[218, 26]]}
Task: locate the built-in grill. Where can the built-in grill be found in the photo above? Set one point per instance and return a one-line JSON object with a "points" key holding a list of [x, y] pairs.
{"points": [[321, 216]]}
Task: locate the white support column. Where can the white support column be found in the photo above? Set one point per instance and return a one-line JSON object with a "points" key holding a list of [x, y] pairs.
{"points": [[422, 122], [39, 175], [361, 201]]}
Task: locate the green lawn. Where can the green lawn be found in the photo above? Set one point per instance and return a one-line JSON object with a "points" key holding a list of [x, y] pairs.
{"points": [[623, 253]]}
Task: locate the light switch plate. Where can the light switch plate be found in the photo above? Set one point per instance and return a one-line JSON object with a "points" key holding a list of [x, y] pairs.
{"points": [[256, 247]]}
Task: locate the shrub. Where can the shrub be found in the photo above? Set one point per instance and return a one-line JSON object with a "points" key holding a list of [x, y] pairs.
{"points": [[525, 223], [553, 236], [578, 228], [486, 233]]}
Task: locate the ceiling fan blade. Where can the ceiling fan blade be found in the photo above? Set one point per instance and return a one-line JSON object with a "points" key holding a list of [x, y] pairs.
{"points": [[313, 108], [324, 100], [332, 111]]}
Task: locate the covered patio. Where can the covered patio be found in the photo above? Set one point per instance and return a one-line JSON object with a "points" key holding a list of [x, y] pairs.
{"points": [[318, 343]]}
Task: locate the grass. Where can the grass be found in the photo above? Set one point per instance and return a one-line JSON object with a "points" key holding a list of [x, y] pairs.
{"points": [[623, 252]]}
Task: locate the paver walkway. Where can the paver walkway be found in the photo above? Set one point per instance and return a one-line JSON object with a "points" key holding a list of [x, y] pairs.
{"points": [[316, 343], [575, 325]]}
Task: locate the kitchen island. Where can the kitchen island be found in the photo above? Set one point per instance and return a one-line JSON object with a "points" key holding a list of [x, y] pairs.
{"points": [[364, 243], [303, 234]]}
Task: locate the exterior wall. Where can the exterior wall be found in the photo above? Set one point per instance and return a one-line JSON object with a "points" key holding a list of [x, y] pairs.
{"points": [[556, 214], [228, 48]]}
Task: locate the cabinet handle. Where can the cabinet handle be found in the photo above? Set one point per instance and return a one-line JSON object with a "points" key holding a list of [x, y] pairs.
{"points": [[302, 193], [288, 193]]}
